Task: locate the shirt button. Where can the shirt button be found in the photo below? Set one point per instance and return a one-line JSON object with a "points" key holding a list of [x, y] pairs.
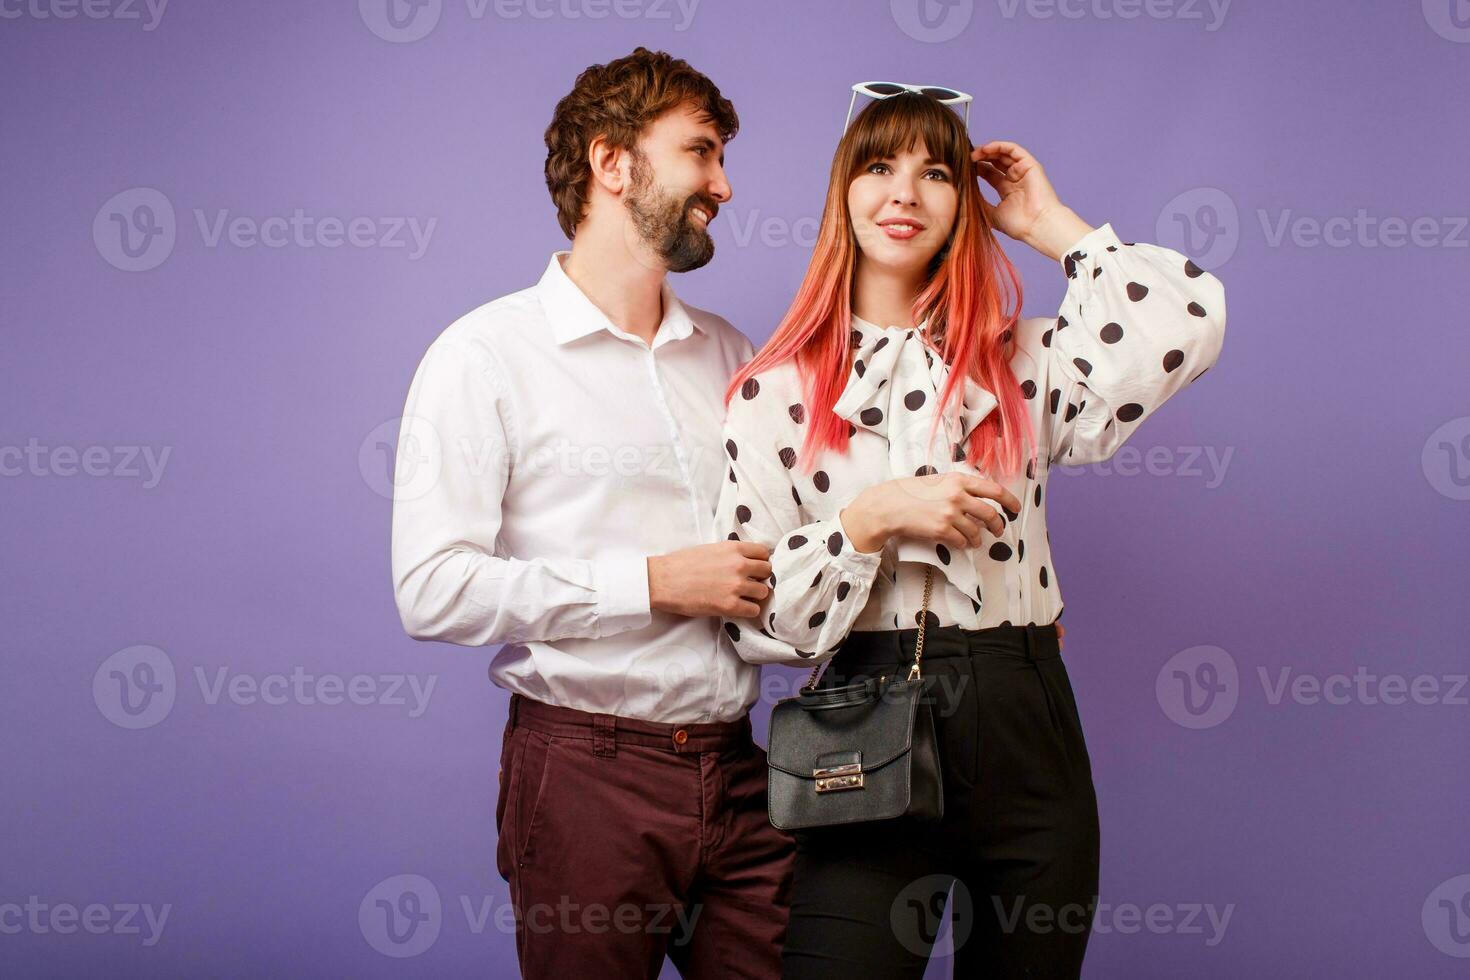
{"points": [[680, 737]]}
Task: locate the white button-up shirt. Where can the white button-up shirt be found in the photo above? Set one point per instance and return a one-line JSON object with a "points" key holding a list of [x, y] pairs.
{"points": [[544, 455]]}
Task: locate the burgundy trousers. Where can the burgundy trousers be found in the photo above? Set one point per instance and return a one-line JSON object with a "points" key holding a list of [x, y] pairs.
{"points": [[624, 841]]}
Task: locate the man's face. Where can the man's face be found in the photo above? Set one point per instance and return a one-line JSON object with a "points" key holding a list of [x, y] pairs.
{"points": [[677, 173]]}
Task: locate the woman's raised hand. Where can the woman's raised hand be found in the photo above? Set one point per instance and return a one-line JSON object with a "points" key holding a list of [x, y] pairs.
{"points": [[951, 509], [1029, 210]]}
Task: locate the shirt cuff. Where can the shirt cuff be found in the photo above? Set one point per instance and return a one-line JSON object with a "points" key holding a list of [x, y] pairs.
{"points": [[622, 593], [1094, 241]]}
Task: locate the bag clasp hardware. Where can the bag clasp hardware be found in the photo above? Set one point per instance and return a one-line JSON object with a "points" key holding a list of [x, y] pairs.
{"points": [[834, 778]]}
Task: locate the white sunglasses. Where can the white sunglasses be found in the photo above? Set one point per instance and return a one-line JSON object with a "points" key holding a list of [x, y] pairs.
{"points": [[886, 90]]}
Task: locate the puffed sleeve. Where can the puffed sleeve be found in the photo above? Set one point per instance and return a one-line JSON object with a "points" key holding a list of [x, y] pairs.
{"points": [[819, 581], [1138, 323]]}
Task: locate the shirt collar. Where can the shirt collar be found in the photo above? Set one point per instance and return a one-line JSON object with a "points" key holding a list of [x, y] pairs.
{"points": [[573, 315]]}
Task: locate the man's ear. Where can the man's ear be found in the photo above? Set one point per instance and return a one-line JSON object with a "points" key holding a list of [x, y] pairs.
{"points": [[609, 164]]}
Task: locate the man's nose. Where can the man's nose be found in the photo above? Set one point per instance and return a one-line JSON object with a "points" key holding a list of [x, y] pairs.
{"points": [[719, 188]]}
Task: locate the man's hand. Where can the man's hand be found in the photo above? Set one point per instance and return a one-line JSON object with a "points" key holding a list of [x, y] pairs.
{"points": [[724, 579]]}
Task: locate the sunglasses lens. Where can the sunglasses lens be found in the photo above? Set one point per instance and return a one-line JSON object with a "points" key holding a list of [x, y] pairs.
{"points": [[941, 93], [884, 88]]}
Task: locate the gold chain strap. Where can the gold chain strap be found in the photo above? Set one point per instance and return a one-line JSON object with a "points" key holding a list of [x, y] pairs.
{"points": [[914, 671]]}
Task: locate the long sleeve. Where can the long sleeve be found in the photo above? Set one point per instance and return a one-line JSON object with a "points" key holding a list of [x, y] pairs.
{"points": [[455, 447], [820, 582], [1138, 323]]}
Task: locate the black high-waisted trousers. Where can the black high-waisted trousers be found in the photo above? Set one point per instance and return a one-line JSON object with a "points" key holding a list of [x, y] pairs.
{"points": [[1018, 842]]}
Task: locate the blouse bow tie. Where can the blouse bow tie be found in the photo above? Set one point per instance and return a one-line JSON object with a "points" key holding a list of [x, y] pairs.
{"points": [[893, 390]]}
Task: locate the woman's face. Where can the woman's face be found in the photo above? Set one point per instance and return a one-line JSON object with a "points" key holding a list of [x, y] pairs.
{"points": [[903, 208]]}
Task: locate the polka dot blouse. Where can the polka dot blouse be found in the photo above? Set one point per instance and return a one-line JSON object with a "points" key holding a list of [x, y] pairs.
{"points": [[1138, 323]]}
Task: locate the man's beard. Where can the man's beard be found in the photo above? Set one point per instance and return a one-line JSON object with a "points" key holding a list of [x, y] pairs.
{"points": [[665, 224]]}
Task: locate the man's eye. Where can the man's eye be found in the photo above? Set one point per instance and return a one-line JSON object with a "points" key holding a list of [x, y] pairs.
{"points": [[701, 150]]}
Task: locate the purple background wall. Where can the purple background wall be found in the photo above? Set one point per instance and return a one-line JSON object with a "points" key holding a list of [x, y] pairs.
{"points": [[1297, 518]]}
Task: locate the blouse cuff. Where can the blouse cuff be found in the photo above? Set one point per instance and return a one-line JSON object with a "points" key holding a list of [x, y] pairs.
{"points": [[1094, 241], [846, 557]]}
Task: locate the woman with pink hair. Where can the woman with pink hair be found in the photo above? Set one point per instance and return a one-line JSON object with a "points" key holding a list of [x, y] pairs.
{"points": [[891, 444]]}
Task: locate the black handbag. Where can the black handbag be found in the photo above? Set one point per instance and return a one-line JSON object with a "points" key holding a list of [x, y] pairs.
{"points": [[864, 751]]}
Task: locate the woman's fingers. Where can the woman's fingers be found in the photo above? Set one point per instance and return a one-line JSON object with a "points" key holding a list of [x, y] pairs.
{"points": [[983, 511], [1009, 158], [970, 528]]}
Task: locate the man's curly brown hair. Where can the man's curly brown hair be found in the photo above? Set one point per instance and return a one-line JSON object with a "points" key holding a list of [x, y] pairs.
{"points": [[617, 100]]}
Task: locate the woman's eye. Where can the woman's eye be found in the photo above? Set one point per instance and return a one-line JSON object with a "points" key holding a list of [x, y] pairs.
{"points": [[938, 173], [874, 168]]}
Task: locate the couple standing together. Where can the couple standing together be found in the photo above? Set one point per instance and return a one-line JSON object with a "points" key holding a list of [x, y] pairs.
{"points": [[643, 510]]}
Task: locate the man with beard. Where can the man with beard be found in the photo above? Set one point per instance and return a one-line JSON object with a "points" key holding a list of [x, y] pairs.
{"points": [[558, 468]]}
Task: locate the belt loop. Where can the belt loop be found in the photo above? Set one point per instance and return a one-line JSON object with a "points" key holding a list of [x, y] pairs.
{"points": [[1031, 642], [604, 741], [515, 704]]}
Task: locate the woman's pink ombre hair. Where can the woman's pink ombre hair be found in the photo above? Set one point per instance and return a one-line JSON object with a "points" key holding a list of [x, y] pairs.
{"points": [[972, 297]]}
